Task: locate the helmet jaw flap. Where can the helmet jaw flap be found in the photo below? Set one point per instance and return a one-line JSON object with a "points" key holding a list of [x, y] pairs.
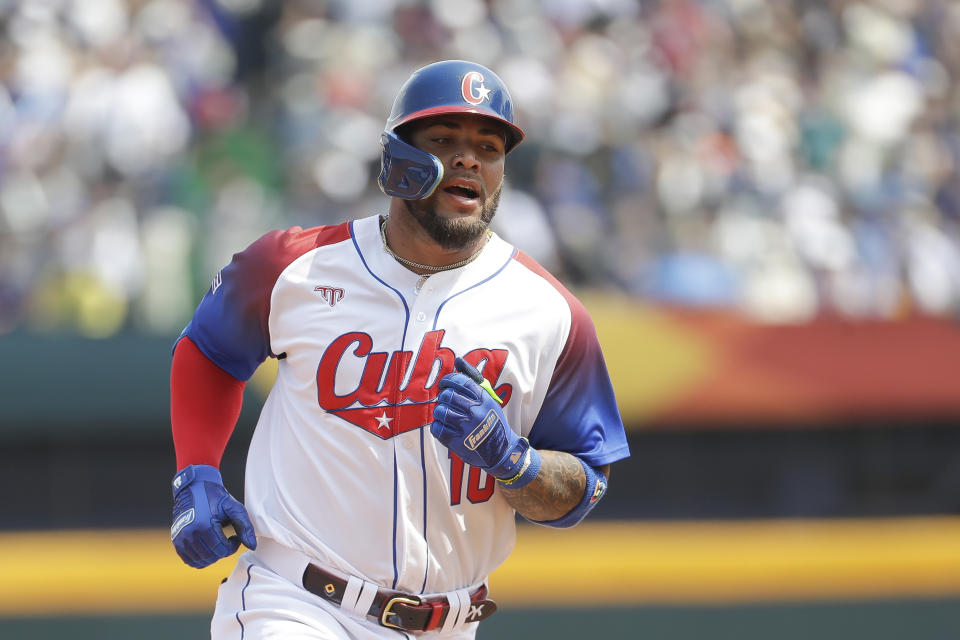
{"points": [[405, 171]]}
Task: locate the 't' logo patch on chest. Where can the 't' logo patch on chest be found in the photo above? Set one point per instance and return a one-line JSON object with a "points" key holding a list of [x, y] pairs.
{"points": [[332, 295]]}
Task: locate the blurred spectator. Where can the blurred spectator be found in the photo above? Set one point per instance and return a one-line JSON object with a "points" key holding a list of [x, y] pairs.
{"points": [[783, 158]]}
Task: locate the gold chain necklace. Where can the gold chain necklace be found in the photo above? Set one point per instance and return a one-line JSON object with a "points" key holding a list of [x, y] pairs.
{"points": [[427, 267]]}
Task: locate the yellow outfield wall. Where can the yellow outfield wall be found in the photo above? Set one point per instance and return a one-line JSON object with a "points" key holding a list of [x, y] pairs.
{"points": [[619, 563]]}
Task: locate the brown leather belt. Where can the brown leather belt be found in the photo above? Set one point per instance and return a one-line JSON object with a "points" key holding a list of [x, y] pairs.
{"points": [[396, 609]]}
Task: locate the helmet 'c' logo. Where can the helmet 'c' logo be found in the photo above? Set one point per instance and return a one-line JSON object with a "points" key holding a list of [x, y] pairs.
{"points": [[474, 92]]}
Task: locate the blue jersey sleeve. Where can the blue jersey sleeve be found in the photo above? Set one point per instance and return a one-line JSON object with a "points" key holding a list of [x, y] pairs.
{"points": [[231, 324], [579, 413]]}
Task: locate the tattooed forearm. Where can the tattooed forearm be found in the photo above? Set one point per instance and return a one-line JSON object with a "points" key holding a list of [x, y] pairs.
{"points": [[557, 489]]}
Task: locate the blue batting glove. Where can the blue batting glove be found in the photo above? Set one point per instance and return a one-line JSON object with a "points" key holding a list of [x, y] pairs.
{"points": [[202, 507], [469, 422]]}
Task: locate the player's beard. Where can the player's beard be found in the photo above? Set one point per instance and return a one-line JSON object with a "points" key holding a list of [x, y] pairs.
{"points": [[454, 234]]}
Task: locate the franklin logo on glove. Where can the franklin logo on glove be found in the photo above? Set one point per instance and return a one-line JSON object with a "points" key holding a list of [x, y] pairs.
{"points": [[478, 435], [185, 518]]}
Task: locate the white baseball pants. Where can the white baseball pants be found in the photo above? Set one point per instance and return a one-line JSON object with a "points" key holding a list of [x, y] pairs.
{"points": [[255, 603]]}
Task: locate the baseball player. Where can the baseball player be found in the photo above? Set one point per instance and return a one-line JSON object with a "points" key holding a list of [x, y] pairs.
{"points": [[433, 381]]}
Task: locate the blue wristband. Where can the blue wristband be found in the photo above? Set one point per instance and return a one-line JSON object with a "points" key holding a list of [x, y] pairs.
{"points": [[529, 468], [596, 488], [195, 472]]}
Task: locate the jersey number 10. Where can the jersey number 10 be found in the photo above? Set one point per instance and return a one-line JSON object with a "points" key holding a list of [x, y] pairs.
{"points": [[475, 492]]}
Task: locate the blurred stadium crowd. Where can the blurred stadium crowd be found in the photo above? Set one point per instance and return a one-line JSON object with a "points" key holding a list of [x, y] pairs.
{"points": [[785, 158]]}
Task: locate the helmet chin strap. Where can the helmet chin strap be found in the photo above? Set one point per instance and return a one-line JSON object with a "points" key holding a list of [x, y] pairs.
{"points": [[405, 171]]}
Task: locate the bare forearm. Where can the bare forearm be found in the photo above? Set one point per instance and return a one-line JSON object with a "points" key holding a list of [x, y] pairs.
{"points": [[556, 490]]}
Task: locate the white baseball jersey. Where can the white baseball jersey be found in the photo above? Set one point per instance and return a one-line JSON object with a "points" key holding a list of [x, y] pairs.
{"points": [[342, 465]]}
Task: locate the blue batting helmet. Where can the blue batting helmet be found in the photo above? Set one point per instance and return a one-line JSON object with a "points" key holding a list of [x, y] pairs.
{"points": [[451, 86]]}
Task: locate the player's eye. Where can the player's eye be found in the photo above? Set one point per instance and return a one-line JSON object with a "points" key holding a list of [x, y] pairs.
{"points": [[490, 147]]}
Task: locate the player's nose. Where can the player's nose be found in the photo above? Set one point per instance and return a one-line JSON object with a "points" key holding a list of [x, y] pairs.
{"points": [[465, 158]]}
